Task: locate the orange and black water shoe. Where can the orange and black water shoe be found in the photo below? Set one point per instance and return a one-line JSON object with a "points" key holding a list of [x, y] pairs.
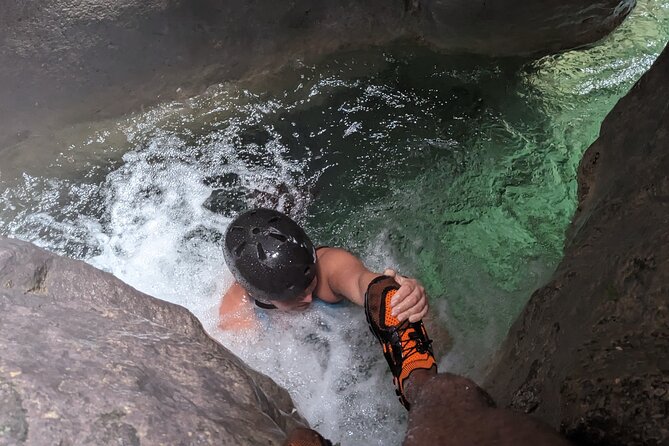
{"points": [[406, 345]]}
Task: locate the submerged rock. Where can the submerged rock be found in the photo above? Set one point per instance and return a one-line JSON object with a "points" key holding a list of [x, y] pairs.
{"points": [[227, 202], [589, 354], [86, 359]]}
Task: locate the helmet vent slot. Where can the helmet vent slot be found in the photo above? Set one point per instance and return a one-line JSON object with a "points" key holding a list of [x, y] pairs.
{"points": [[307, 270], [255, 230], [273, 220], [261, 252], [280, 237], [240, 248]]}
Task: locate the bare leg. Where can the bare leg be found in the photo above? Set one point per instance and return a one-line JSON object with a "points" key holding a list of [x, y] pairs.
{"points": [[416, 381], [450, 409]]}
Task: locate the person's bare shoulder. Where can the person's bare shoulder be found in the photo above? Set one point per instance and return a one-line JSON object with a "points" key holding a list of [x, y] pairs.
{"points": [[235, 311], [345, 273]]}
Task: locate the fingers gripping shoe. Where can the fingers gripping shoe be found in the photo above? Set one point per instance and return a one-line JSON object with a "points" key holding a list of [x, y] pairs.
{"points": [[406, 345]]}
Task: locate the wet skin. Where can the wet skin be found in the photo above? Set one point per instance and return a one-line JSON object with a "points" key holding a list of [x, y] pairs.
{"points": [[301, 302], [451, 409]]}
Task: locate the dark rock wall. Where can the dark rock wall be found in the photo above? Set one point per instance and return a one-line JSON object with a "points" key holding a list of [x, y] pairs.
{"points": [[66, 61], [590, 352], [517, 27], [86, 359]]}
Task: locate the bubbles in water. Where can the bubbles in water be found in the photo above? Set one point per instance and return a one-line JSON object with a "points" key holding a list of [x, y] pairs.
{"points": [[333, 367]]}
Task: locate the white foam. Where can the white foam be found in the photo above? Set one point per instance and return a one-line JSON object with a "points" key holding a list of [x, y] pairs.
{"points": [[326, 357], [333, 368]]}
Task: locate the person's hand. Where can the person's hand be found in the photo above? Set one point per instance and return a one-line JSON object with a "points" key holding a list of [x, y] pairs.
{"points": [[410, 301]]}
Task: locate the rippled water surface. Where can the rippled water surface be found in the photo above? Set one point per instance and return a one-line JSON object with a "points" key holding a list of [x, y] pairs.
{"points": [[459, 171]]}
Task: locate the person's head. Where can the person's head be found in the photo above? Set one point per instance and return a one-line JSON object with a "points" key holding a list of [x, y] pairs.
{"points": [[272, 258]]}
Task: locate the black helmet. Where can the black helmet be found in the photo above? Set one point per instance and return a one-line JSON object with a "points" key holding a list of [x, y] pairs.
{"points": [[269, 255]]}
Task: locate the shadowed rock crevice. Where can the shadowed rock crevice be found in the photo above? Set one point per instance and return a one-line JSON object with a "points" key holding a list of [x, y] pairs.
{"points": [[39, 279], [589, 352]]}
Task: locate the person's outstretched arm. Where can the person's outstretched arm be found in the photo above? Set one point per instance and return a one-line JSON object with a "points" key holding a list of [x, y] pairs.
{"points": [[347, 276]]}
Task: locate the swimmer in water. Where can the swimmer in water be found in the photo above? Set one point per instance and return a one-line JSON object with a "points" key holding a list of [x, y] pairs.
{"points": [[276, 267]]}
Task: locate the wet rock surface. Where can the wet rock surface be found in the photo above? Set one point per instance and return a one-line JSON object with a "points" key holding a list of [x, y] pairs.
{"points": [[86, 359], [589, 352], [64, 61]]}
